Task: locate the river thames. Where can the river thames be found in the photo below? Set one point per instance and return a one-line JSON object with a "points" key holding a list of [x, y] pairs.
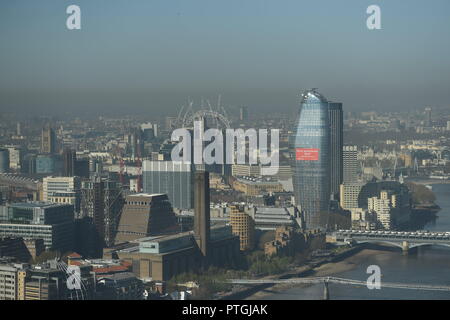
{"points": [[430, 265]]}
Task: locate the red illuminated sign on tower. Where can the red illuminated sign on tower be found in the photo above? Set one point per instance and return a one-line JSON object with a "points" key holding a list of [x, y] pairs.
{"points": [[306, 154]]}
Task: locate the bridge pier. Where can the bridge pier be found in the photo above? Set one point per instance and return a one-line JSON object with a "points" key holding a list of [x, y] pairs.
{"points": [[326, 291], [405, 248]]}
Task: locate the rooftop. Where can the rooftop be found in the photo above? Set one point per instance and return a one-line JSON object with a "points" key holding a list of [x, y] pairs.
{"points": [[253, 180], [38, 204], [164, 237], [146, 194], [119, 276]]}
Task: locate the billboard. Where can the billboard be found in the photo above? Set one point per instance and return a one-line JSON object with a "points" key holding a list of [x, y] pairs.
{"points": [[306, 154]]}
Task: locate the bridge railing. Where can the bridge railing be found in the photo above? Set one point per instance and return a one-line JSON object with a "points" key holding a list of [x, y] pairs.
{"points": [[342, 281]]}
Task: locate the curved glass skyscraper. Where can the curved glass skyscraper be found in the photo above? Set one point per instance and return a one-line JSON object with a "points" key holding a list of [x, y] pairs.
{"points": [[311, 160]]}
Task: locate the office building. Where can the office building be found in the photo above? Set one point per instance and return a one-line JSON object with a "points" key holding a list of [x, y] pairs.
{"points": [[428, 121], [335, 115], [102, 201], [245, 170], [52, 185], [66, 197], [45, 284], [171, 178], [8, 282], [4, 160], [63, 190], [48, 282], [382, 207], [81, 168], [46, 164], [243, 113], [119, 286], [72, 166], [250, 170], [39, 220], [149, 131], [48, 140], [29, 164], [350, 163], [265, 218], [95, 165], [256, 186], [350, 195], [270, 218], [69, 158], [15, 157], [311, 159]]}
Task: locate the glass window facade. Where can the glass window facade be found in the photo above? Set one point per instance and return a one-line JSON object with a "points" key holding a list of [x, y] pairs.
{"points": [[336, 145], [171, 178], [311, 160], [51, 222]]}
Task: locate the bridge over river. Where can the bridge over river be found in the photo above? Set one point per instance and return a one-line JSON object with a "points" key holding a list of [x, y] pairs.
{"points": [[326, 280], [404, 240]]}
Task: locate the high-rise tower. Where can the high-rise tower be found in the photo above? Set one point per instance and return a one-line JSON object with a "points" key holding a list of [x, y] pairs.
{"points": [[311, 159], [243, 113], [48, 140], [102, 201], [336, 145], [201, 211], [428, 121], [69, 159], [350, 160]]}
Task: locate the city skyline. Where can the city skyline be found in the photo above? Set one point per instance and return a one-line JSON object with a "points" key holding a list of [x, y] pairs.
{"points": [[224, 150]]}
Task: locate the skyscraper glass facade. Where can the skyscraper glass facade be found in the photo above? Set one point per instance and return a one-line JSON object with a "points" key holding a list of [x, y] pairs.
{"points": [[311, 160], [171, 178], [336, 144]]}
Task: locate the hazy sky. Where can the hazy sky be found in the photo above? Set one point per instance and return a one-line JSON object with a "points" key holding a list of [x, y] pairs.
{"points": [[150, 55]]}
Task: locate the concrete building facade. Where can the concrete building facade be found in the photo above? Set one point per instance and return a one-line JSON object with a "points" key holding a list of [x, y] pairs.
{"points": [[243, 225]]}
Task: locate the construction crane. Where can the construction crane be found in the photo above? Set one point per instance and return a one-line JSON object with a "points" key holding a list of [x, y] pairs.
{"points": [[119, 153], [139, 174]]}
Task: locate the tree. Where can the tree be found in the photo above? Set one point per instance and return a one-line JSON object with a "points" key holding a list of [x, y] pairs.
{"points": [[421, 194]]}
